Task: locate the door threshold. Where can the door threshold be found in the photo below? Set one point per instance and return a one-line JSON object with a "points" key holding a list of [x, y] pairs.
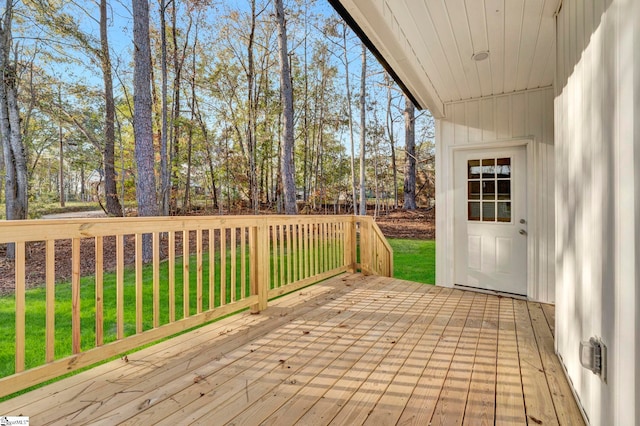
{"points": [[492, 292]]}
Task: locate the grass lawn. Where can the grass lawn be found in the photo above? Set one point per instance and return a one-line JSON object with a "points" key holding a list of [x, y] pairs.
{"points": [[414, 260], [35, 310]]}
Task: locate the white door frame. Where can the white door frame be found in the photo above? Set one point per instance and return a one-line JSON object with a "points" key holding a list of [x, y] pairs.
{"points": [[532, 219]]}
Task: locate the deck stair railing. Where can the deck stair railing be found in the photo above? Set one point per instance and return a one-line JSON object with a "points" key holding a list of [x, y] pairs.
{"points": [[198, 269]]}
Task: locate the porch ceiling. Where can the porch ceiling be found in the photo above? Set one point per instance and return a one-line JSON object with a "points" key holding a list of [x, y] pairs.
{"points": [[429, 44]]}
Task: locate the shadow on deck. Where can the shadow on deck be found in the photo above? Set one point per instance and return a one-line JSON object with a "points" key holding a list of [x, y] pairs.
{"points": [[350, 350]]}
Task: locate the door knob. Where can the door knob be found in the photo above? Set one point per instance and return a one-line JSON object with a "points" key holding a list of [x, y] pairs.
{"points": [[522, 232], [522, 221]]}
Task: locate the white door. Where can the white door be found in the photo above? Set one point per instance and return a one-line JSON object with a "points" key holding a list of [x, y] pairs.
{"points": [[490, 219]]}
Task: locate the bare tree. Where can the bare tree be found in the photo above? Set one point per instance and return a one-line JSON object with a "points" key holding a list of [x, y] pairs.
{"points": [[286, 90], [15, 162], [110, 190], [142, 107], [363, 132], [410, 156], [350, 117]]}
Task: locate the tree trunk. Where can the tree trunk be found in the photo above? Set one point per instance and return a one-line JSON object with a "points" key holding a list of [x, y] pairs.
{"points": [[142, 108], [410, 157], [363, 130], [251, 137], [350, 113], [286, 90], [165, 175], [392, 142], [110, 189], [13, 149]]}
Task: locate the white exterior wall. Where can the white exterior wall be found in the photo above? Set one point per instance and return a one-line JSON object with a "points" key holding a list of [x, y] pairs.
{"points": [[494, 121], [597, 114]]}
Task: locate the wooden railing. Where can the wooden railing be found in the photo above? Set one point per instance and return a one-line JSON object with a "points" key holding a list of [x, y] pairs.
{"points": [[100, 297]]}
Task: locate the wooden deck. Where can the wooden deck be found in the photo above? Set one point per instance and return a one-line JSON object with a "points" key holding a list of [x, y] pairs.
{"points": [[351, 350]]}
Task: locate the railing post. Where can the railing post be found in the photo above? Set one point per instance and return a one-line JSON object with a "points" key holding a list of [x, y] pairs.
{"points": [[365, 246], [259, 265], [350, 249]]}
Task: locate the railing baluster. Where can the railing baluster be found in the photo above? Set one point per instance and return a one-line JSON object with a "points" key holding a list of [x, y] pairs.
{"points": [[316, 238], [138, 284], [289, 255], [243, 262], [234, 261], [75, 295], [223, 266], [281, 235], [20, 305], [172, 276], [273, 256], [50, 260], [212, 268], [99, 271], [156, 279], [119, 287], [291, 252], [185, 274], [199, 271]]}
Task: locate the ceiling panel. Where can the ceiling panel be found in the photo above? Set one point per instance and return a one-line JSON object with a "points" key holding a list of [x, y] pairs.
{"points": [[431, 43]]}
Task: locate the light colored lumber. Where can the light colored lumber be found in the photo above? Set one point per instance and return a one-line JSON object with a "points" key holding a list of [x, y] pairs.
{"points": [[311, 357], [550, 315], [138, 284], [402, 344], [537, 398], [51, 299], [453, 398], [234, 265], [156, 279], [420, 407], [223, 267], [509, 399], [481, 399], [186, 284], [564, 403], [75, 296], [51, 396], [162, 394], [391, 404], [20, 306], [199, 271], [172, 276], [243, 263], [99, 296], [119, 287]]}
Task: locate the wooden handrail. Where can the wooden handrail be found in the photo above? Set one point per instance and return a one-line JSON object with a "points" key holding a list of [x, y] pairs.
{"points": [[232, 263]]}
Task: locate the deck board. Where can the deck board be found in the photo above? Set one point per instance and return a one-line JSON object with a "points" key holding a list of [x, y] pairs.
{"points": [[350, 350]]}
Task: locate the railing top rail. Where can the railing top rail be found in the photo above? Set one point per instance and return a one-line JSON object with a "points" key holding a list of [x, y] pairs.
{"points": [[52, 229]]}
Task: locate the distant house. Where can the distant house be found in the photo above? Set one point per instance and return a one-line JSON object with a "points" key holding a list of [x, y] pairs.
{"points": [[537, 107]]}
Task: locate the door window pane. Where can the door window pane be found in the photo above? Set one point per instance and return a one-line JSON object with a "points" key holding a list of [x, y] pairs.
{"points": [[474, 211], [489, 190], [488, 168], [503, 168], [504, 212], [474, 190], [489, 195], [504, 190], [473, 169], [488, 212]]}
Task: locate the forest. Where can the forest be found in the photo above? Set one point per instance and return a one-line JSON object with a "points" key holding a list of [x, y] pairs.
{"points": [[186, 106]]}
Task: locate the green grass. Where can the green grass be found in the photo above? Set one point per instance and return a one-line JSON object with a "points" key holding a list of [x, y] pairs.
{"points": [[36, 310], [414, 260], [36, 305]]}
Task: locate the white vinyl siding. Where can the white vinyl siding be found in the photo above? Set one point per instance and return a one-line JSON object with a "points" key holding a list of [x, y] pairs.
{"points": [[598, 201], [493, 121]]}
